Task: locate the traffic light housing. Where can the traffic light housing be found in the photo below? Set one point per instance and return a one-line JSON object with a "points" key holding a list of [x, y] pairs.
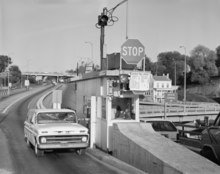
{"points": [[102, 20]]}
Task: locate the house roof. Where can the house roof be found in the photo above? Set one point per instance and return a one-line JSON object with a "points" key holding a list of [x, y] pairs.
{"points": [[161, 78]]}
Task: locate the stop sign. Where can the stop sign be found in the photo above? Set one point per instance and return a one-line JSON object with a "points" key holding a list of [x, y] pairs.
{"points": [[132, 51]]}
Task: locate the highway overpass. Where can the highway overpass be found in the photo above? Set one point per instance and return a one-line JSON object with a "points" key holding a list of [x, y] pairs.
{"points": [[55, 75]]}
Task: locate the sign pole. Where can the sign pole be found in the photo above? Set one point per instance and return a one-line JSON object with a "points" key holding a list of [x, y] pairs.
{"points": [[165, 109], [120, 62]]}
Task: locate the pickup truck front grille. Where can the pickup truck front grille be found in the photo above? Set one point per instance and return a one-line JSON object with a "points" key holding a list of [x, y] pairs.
{"points": [[64, 139]]}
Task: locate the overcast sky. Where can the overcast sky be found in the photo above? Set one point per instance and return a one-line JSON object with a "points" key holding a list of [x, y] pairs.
{"points": [[50, 35]]}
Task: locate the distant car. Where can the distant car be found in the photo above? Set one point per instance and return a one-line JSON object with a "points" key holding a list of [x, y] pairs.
{"points": [[165, 128], [52, 129]]}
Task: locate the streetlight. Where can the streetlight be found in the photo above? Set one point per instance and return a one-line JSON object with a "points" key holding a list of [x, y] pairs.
{"points": [[174, 72], [184, 99]]}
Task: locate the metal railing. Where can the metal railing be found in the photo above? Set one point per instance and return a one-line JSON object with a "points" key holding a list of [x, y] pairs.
{"points": [[150, 109]]}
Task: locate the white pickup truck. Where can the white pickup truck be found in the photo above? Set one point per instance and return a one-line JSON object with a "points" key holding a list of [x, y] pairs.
{"points": [[52, 129]]}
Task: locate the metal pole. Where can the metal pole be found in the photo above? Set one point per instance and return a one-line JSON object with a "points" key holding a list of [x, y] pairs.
{"points": [[101, 45], [175, 74], [185, 77], [127, 21], [184, 99], [8, 77]]}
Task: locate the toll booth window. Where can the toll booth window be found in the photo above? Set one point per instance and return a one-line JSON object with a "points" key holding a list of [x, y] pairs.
{"points": [[122, 109]]}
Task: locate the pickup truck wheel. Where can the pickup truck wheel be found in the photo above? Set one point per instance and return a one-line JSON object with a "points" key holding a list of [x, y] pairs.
{"points": [[27, 142], [37, 151], [80, 151]]}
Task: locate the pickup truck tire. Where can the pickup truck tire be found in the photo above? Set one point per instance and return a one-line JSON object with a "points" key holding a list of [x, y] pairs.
{"points": [[37, 151], [209, 154], [27, 142], [80, 151]]}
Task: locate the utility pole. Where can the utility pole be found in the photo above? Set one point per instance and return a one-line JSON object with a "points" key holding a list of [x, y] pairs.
{"points": [[103, 20], [184, 98]]}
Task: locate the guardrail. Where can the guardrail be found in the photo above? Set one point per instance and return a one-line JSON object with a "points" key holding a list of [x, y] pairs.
{"points": [[191, 108]]}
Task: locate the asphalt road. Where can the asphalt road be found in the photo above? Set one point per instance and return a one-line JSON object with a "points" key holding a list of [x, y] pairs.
{"points": [[24, 160]]}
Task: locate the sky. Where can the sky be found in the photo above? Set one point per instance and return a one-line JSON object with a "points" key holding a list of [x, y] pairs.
{"points": [[53, 35]]}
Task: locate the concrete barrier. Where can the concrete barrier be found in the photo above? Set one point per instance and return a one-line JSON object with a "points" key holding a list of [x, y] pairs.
{"points": [[138, 145]]}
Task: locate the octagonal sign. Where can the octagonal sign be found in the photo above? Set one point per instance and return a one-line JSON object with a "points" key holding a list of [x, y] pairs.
{"points": [[132, 51]]}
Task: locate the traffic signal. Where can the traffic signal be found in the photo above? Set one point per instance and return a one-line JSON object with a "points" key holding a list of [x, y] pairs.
{"points": [[102, 20], [124, 82]]}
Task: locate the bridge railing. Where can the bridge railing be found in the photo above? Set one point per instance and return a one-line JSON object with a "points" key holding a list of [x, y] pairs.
{"points": [[147, 109]]}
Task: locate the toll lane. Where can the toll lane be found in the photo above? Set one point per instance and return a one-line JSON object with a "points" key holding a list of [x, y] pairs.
{"points": [[24, 160]]}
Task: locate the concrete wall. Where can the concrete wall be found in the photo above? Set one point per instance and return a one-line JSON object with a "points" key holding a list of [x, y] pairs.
{"points": [[84, 91], [138, 145]]}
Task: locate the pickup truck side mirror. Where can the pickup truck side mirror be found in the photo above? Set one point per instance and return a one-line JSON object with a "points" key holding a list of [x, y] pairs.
{"points": [[32, 120]]}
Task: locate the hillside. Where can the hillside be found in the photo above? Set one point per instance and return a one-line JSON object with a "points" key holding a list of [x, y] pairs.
{"points": [[202, 93]]}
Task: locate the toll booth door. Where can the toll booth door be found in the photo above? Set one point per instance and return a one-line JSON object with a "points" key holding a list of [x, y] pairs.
{"points": [[100, 123]]}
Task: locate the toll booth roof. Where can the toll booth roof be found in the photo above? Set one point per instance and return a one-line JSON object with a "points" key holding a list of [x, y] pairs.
{"points": [[104, 73]]}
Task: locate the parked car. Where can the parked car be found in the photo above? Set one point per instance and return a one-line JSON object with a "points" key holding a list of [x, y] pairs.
{"points": [[206, 140], [165, 128], [52, 129]]}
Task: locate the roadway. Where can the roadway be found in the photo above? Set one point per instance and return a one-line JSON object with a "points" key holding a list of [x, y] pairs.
{"points": [[23, 160]]}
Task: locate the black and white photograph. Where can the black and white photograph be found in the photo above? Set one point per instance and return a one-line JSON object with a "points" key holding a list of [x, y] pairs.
{"points": [[109, 86]]}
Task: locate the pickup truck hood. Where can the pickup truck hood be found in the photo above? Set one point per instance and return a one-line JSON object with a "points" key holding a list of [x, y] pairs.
{"points": [[58, 128]]}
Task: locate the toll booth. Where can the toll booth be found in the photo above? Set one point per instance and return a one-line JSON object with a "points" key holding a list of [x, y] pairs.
{"points": [[107, 97]]}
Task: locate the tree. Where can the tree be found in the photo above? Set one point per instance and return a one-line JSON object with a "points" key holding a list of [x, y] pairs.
{"points": [[5, 61], [203, 64], [15, 74], [158, 68], [148, 64], [171, 63], [71, 71], [217, 62]]}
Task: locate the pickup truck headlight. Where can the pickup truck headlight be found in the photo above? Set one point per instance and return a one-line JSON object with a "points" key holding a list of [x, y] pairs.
{"points": [[43, 140], [84, 139]]}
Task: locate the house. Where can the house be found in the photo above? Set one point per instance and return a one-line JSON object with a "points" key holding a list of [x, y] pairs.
{"points": [[161, 86]]}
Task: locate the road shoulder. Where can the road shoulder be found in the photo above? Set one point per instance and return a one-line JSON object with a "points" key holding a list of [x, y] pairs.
{"points": [[6, 166]]}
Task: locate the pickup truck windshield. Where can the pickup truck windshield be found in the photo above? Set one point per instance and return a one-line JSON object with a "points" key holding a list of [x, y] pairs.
{"points": [[52, 117]]}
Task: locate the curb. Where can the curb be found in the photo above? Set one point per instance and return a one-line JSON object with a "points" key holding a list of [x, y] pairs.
{"points": [[111, 161]]}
